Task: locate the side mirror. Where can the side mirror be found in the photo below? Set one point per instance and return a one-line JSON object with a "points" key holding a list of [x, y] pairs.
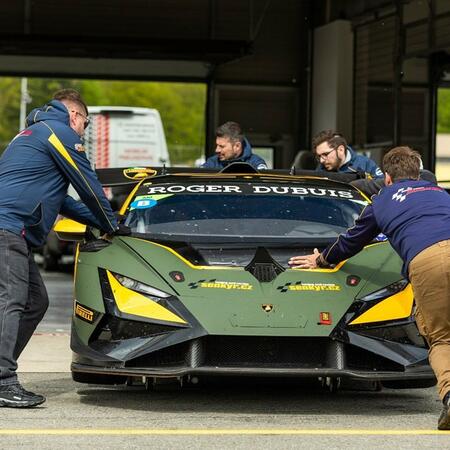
{"points": [[69, 230]]}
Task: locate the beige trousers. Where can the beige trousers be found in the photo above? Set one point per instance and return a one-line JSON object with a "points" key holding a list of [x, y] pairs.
{"points": [[429, 272]]}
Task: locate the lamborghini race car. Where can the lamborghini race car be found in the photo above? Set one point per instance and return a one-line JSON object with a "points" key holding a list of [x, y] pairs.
{"points": [[202, 287]]}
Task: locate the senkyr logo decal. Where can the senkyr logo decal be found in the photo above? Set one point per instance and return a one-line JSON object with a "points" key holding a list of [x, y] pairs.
{"points": [[214, 284], [311, 287]]}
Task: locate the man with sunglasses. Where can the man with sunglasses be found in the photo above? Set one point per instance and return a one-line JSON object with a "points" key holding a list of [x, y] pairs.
{"points": [[334, 155], [35, 171]]}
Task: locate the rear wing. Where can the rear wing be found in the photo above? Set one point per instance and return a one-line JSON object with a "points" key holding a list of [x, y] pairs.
{"points": [[130, 176]]}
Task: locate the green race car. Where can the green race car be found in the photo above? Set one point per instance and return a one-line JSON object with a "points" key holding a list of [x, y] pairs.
{"points": [[202, 286]]}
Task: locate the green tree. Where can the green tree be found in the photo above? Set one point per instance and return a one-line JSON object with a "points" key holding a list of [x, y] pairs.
{"points": [[40, 90], [443, 115], [9, 110]]}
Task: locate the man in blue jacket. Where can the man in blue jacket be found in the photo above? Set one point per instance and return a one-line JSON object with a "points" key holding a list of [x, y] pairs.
{"points": [[334, 155], [232, 146], [35, 171], [415, 216]]}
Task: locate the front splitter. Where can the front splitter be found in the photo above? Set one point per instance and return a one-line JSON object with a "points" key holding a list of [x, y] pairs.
{"points": [[181, 371]]}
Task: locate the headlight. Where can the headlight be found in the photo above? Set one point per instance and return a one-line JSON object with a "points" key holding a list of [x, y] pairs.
{"points": [[386, 291], [135, 285], [389, 304]]}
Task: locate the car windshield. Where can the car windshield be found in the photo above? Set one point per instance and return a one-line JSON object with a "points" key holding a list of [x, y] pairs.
{"points": [[243, 210]]}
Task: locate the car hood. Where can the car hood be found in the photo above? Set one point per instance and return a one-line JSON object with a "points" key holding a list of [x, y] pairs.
{"points": [[226, 298]]}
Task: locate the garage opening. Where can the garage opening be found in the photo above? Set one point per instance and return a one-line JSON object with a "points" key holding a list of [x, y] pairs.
{"points": [[443, 134], [181, 107]]}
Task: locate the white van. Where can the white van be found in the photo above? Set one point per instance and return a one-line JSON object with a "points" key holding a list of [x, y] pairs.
{"points": [[122, 136]]}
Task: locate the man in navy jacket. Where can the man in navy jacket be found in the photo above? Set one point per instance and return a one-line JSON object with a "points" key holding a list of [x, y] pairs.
{"points": [[334, 155], [415, 216], [35, 171], [232, 146]]}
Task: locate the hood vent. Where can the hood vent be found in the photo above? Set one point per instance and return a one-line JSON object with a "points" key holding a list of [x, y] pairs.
{"points": [[263, 267]]}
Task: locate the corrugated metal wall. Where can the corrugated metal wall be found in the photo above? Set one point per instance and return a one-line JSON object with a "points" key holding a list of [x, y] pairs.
{"points": [[373, 101], [424, 31]]}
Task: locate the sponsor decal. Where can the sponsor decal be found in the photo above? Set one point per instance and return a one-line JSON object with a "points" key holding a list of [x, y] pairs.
{"points": [[137, 173], [143, 204], [84, 313], [215, 284], [311, 287], [325, 318], [147, 201], [247, 189], [80, 148], [403, 193]]}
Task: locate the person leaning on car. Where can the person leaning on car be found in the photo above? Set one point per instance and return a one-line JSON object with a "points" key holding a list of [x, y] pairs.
{"points": [[371, 186], [333, 154], [35, 171], [415, 216], [232, 146]]}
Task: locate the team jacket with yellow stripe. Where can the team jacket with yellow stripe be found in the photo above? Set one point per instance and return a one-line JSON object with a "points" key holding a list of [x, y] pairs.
{"points": [[35, 171], [412, 214]]}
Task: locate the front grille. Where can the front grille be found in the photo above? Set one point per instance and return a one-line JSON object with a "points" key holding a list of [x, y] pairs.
{"points": [[265, 351], [236, 351]]}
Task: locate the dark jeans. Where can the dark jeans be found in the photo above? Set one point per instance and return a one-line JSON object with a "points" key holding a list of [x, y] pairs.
{"points": [[23, 302]]}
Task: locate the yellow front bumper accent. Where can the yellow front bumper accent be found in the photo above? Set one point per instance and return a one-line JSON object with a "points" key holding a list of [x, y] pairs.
{"points": [[131, 302], [398, 306]]}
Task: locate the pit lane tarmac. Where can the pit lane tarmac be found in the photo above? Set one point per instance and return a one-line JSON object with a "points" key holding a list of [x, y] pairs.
{"points": [[217, 414]]}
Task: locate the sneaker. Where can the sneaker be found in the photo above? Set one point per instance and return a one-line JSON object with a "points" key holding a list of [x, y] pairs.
{"points": [[15, 396], [444, 419]]}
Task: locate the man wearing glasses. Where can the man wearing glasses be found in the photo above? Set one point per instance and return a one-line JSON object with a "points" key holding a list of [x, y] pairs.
{"points": [[35, 171], [334, 155]]}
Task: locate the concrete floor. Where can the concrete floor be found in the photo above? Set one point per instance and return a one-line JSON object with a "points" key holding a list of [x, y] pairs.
{"points": [[238, 414]]}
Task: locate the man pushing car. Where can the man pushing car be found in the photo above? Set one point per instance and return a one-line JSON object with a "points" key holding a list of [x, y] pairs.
{"points": [[415, 216], [35, 171]]}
